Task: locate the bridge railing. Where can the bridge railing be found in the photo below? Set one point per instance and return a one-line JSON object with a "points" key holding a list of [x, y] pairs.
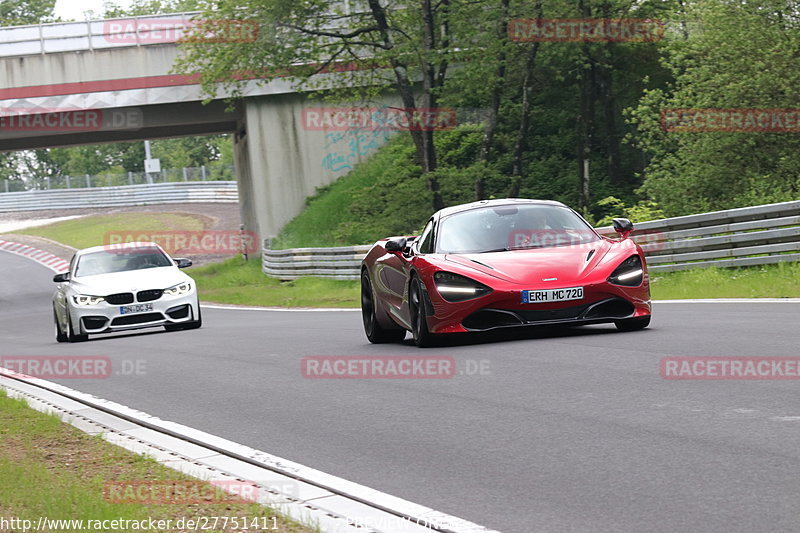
{"points": [[758, 235], [87, 181], [121, 32], [93, 34]]}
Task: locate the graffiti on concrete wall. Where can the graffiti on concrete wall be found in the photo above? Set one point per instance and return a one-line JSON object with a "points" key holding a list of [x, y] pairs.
{"points": [[343, 149]]}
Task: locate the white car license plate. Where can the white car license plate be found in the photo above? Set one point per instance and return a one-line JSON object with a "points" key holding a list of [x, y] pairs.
{"points": [[552, 295], [140, 308]]}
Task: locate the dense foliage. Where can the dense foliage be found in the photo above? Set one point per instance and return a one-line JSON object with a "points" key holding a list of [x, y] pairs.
{"points": [[572, 120], [577, 121]]}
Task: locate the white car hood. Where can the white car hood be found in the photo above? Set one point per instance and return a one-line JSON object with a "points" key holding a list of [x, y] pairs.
{"points": [[129, 281]]}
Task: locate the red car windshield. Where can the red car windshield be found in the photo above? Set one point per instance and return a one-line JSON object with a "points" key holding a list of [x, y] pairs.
{"points": [[512, 227]]}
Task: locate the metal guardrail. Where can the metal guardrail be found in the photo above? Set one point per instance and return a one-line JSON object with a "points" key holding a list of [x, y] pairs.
{"points": [[159, 193], [746, 236], [338, 263]]}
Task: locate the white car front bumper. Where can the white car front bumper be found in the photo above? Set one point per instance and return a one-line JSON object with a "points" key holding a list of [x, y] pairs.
{"points": [[106, 317]]}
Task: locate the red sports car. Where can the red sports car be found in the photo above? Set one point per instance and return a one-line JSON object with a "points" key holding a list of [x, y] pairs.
{"points": [[500, 264]]}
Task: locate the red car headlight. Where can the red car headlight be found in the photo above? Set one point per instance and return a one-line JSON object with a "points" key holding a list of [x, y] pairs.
{"points": [[629, 273], [457, 288]]}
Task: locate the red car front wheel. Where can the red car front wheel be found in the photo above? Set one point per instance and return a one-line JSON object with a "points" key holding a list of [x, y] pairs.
{"points": [[376, 333], [419, 321]]}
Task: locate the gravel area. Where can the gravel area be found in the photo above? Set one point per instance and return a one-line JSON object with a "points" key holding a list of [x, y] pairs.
{"points": [[219, 217]]}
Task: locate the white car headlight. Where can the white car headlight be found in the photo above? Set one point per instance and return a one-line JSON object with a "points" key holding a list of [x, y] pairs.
{"points": [[85, 299], [180, 288]]}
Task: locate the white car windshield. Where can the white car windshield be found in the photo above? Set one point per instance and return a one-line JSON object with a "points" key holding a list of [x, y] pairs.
{"points": [[512, 227], [110, 261]]}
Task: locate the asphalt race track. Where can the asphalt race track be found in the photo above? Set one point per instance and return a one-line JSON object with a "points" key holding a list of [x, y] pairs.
{"points": [[569, 430]]}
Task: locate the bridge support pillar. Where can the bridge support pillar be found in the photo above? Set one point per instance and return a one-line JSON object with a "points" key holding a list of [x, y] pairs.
{"points": [[282, 158]]}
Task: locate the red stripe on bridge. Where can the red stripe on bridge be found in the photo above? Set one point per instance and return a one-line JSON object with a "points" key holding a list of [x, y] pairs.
{"points": [[81, 87]]}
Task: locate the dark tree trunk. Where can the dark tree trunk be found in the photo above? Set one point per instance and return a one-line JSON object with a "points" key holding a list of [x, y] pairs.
{"points": [[610, 115], [423, 140], [495, 96], [585, 132], [522, 133], [429, 79], [608, 99], [585, 123]]}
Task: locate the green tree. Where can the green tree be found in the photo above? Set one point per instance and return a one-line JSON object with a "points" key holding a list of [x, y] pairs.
{"points": [[735, 55], [20, 12], [187, 151], [112, 9], [375, 45]]}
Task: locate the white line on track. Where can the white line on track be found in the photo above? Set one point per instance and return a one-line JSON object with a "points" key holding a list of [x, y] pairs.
{"points": [[287, 309], [732, 301]]}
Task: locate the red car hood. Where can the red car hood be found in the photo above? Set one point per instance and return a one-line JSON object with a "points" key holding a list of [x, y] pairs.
{"points": [[567, 263]]}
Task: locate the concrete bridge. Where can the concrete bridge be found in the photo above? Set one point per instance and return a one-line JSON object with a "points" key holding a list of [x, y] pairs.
{"points": [[110, 80]]}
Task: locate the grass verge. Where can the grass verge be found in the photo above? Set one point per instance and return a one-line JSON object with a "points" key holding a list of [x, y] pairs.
{"points": [[232, 282], [90, 231], [235, 282], [767, 281], [51, 469]]}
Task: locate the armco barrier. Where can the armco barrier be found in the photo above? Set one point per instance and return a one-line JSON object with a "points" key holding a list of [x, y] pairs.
{"points": [[339, 263], [127, 195], [745, 236]]}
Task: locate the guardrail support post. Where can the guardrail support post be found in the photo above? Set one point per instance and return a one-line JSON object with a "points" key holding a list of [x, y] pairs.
{"points": [[203, 173], [130, 178], [6, 185], [88, 181], [67, 179], [185, 174], [47, 180]]}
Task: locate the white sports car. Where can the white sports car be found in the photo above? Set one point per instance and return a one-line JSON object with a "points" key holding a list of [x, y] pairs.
{"points": [[123, 287]]}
